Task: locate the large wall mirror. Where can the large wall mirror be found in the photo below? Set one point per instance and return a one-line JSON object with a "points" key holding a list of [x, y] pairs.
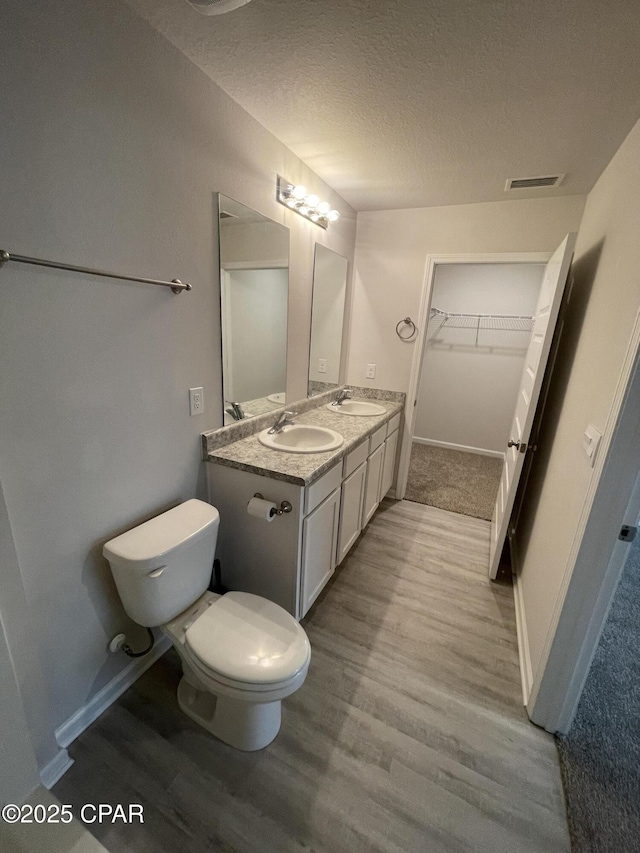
{"points": [[254, 294], [327, 319]]}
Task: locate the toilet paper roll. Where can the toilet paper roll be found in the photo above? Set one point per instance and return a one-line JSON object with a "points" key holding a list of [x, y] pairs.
{"points": [[258, 507]]}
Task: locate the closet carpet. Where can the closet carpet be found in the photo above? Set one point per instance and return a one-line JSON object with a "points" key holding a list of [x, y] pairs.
{"points": [[408, 735], [466, 483], [600, 756]]}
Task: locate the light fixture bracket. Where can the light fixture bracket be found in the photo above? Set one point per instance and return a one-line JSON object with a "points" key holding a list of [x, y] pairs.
{"points": [[305, 204]]}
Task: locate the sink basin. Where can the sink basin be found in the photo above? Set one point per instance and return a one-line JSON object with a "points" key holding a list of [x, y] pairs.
{"points": [[357, 408], [302, 438], [276, 398]]}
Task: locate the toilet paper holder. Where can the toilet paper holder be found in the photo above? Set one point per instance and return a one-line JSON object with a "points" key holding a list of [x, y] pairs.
{"points": [[285, 506]]}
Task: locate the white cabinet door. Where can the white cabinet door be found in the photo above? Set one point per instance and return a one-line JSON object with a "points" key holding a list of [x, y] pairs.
{"points": [[351, 510], [372, 488], [389, 466], [319, 544]]}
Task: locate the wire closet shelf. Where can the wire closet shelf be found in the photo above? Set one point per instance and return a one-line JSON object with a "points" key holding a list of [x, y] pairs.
{"points": [[489, 322]]}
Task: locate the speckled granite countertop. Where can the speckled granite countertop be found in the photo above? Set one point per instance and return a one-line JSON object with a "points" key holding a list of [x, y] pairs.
{"points": [[248, 454]]}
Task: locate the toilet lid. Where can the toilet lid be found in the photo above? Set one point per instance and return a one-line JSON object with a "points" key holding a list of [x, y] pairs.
{"points": [[248, 638]]}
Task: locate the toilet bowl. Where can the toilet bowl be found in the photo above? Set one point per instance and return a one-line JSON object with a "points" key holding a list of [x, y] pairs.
{"points": [[241, 654]]}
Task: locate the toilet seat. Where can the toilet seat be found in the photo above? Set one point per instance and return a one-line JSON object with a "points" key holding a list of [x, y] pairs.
{"points": [[218, 684], [248, 643]]}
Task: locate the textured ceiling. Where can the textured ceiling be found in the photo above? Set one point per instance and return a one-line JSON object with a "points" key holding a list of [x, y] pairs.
{"points": [[413, 103]]}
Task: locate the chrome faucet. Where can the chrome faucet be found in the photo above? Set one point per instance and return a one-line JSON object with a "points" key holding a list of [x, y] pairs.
{"points": [[283, 420], [235, 410], [345, 394]]}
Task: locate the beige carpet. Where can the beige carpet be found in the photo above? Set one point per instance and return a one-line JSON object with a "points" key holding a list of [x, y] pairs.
{"points": [[461, 482]]}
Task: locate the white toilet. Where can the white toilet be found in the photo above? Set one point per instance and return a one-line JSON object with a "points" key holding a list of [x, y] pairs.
{"points": [[241, 654]]}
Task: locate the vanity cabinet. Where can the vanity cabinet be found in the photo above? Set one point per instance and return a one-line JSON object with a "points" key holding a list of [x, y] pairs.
{"points": [[290, 558]]}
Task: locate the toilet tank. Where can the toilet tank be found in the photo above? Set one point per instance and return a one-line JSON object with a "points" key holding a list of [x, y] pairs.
{"points": [[164, 565]]}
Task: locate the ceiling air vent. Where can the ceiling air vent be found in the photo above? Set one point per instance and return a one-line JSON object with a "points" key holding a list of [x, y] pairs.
{"points": [[533, 183]]}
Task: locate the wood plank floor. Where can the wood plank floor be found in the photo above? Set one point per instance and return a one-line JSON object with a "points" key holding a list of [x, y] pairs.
{"points": [[408, 734]]}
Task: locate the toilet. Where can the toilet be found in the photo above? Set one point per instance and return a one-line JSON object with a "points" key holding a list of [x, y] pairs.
{"points": [[241, 654]]}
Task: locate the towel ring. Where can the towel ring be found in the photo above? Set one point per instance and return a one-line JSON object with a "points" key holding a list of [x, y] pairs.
{"points": [[414, 329]]}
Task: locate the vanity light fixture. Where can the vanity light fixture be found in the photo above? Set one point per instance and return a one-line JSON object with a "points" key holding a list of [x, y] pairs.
{"points": [[306, 204]]}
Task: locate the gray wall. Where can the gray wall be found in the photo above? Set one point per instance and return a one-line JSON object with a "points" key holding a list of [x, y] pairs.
{"points": [[18, 773], [391, 251], [112, 145]]}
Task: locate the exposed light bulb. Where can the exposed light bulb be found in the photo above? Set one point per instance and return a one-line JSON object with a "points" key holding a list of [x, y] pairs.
{"points": [[295, 197]]}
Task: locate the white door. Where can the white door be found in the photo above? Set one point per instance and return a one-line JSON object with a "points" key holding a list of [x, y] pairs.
{"points": [[535, 362]]}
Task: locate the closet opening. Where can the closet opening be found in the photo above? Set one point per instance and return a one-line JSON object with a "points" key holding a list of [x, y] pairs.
{"points": [[477, 324]]}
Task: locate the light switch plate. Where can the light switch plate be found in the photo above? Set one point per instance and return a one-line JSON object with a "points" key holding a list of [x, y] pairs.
{"points": [[591, 442], [196, 401]]}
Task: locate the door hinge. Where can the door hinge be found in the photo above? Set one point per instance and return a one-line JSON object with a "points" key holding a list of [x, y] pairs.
{"points": [[627, 533]]}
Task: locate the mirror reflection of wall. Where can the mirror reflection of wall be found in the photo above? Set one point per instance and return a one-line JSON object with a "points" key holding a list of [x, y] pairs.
{"points": [[327, 319], [254, 292]]}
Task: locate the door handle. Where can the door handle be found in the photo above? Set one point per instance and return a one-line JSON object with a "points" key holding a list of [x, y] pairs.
{"points": [[156, 573], [521, 446], [512, 443]]}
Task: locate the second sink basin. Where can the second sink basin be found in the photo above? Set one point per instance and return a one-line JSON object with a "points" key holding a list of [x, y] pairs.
{"points": [[358, 408], [302, 438], [276, 398]]}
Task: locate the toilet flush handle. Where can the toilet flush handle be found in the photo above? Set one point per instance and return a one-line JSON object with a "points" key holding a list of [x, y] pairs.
{"points": [[156, 572]]}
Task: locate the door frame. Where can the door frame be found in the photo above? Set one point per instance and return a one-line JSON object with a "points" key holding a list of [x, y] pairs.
{"points": [[587, 589], [432, 263]]}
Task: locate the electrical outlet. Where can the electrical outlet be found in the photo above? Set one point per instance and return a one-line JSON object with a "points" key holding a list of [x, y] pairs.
{"points": [[322, 365], [371, 371], [196, 401]]}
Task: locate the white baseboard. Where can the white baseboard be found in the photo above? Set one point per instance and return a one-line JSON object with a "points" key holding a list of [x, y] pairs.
{"points": [[55, 769], [90, 712], [524, 655], [481, 451]]}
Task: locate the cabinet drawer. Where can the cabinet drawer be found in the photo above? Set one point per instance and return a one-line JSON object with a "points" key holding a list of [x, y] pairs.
{"points": [[393, 424], [355, 458], [318, 491], [377, 438]]}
